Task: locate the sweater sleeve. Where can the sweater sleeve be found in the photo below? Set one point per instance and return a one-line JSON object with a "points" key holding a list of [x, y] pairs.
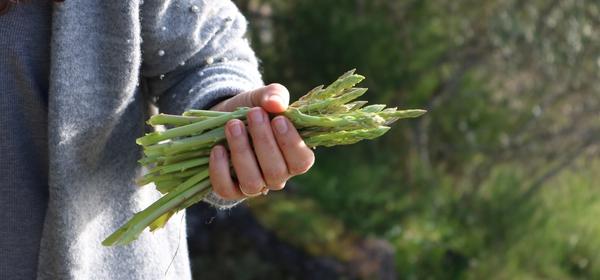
{"points": [[194, 55]]}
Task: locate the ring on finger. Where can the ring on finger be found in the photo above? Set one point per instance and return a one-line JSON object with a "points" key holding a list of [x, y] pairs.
{"points": [[261, 192], [265, 190]]}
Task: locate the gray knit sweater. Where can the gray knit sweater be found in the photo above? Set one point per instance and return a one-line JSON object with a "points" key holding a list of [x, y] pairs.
{"points": [[108, 58], [24, 67]]}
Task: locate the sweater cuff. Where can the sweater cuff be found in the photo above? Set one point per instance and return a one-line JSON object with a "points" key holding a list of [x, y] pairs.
{"points": [[217, 91], [209, 86], [220, 203]]}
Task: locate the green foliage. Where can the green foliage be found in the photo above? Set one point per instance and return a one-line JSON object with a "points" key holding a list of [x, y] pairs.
{"points": [[558, 238], [483, 186], [306, 225]]}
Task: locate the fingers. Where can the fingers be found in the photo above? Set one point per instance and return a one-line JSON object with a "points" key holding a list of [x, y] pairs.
{"points": [[274, 98], [272, 163], [298, 157], [242, 157], [277, 153], [220, 176]]}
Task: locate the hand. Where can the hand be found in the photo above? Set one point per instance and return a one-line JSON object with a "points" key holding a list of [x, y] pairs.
{"points": [[276, 154]]}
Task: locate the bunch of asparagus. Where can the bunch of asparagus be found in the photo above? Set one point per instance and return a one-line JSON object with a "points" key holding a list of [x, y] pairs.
{"points": [[178, 157]]}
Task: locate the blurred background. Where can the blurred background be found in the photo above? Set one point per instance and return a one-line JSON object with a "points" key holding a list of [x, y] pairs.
{"points": [[498, 181]]}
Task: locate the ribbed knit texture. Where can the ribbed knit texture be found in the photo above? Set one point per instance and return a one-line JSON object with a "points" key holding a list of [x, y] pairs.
{"points": [[183, 54], [24, 63]]}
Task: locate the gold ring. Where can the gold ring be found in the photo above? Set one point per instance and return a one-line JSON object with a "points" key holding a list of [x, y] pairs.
{"points": [[262, 191]]}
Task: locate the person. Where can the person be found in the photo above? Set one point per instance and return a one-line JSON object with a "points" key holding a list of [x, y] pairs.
{"points": [[76, 81]]}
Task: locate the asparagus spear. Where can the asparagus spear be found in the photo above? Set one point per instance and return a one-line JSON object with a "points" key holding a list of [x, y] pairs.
{"points": [[191, 129]]}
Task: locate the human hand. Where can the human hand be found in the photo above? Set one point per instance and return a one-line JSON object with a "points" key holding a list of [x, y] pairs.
{"points": [[275, 154]]}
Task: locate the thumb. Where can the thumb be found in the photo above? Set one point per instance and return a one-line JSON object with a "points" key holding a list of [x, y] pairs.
{"points": [[274, 98]]}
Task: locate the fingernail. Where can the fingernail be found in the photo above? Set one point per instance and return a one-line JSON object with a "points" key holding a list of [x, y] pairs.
{"points": [[256, 116], [219, 152], [215, 153], [280, 125], [235, 129], [275, 98]]}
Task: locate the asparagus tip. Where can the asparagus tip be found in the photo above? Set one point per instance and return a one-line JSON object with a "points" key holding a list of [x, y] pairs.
{"points": [[418, 112]]}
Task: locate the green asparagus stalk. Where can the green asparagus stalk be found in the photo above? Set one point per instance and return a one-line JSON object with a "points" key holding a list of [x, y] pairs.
{"points": [[191, 129], [132, 229], [173, 120], [325, 116], [204, 113]]}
